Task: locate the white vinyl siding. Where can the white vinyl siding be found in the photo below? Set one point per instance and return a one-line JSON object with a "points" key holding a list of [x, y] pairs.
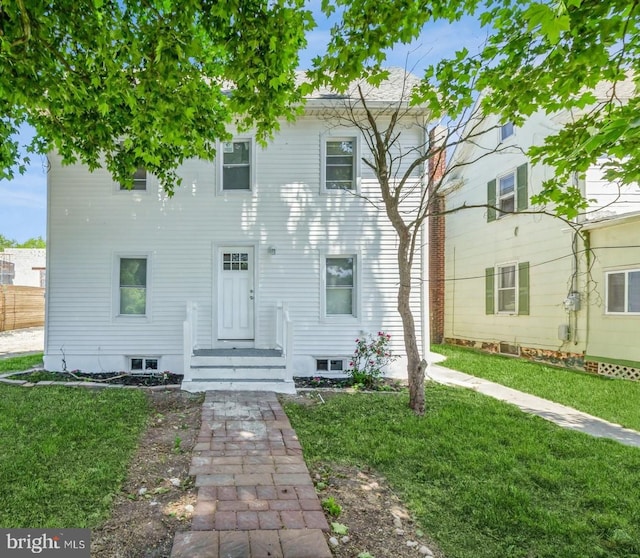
{"points": [[286, 212], [623, 292]]}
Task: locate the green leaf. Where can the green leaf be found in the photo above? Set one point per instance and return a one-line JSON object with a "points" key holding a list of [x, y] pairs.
{"points": [[339, 528]]}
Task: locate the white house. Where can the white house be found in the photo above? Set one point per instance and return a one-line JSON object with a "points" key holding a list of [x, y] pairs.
{"points": [[267, 263], [527, 283]]}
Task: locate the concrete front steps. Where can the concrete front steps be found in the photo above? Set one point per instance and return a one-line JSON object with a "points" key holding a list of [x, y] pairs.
{"points": [[241, 369]]}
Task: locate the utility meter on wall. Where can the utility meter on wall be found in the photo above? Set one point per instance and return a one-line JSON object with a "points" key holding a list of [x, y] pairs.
{"points": [[572, 302]]}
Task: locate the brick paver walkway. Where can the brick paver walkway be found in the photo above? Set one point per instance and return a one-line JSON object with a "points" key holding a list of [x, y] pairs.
{"points": [[255, 495]]}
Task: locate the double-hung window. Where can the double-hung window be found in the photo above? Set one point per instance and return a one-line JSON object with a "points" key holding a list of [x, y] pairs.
{"points": [[507, 289], [236, 165], [340, 286], [508, 193], [139, 180], [340, 163], [506, 130], [623, 292], [133, 286]]}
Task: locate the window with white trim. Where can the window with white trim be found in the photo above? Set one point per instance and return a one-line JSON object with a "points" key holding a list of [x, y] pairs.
{"points": [[143, 364], [133, 286], [236, 165], [507, 289], [139, 180], [506, 130], [329, 365], [508, 193], [623, 292], [340, 285], [340, 163]]}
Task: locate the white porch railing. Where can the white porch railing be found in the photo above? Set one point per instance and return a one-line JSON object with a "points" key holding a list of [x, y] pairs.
{"points": [[284, 335], [283, 341], [189, 335]]}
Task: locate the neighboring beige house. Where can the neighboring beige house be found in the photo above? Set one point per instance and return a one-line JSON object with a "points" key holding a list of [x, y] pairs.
{"points": [[522, 282], [23, 266], [614, 297]]}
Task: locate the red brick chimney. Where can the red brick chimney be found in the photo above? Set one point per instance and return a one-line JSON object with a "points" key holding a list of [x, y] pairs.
{"points": [[436, 169]]}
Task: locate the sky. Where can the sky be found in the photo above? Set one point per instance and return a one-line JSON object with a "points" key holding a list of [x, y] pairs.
{"points": [[23, 200]]}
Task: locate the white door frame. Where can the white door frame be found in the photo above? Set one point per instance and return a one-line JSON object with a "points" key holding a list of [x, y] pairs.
{"points": [[217, 251]]}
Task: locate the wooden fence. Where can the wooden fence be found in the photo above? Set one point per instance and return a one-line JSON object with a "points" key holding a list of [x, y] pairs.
{"points": [[21, 307]]}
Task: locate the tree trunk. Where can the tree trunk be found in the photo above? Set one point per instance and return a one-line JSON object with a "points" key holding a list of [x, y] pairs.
{"points": [[415, 365]]}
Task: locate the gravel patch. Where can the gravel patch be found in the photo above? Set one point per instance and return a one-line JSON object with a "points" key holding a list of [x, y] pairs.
{"points": [[20, 341]]}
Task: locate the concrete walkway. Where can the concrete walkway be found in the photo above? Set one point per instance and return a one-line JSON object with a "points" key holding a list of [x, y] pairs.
{"points": [[562, 415], [255, 495]]}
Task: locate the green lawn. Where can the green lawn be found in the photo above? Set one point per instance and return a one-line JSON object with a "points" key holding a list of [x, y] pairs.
{"points": [[65, 452], [607, 398], [20, 363], [481, 477]]}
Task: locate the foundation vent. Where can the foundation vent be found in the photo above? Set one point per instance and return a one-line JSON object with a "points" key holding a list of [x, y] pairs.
{"points": [[618, 371], [509, 349]]}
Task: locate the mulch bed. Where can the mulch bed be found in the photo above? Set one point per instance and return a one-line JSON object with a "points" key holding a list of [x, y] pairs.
{"points": [[322, 382], [120, 378], [168, 378]]}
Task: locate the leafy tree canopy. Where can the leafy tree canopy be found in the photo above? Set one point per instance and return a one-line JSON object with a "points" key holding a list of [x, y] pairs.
{"points": [[539, 55], [37, 242], [144, 83], [152, 83]]}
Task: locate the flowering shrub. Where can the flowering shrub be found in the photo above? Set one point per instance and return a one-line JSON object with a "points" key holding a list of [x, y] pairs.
{"points": [[372, 354]]}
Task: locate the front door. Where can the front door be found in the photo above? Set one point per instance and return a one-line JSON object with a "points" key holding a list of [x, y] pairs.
{"points": [[235, 293]]}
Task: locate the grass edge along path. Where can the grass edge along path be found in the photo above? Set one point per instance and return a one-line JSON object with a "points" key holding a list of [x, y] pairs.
{"points": [[607, 398], [483, 478], [65, 453], [23, 362]]}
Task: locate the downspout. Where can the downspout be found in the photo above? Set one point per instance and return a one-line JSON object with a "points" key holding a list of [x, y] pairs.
{"points": [[425, 315], [47, 264]]}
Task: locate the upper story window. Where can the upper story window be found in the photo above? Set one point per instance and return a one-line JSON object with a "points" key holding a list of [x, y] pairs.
{"points": [[139, 180], [340, 286], [506, 130], [340, 168], [339, 164], [623, 292], [508, 193], [133, 286], [507, 289], [236, 165]]}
